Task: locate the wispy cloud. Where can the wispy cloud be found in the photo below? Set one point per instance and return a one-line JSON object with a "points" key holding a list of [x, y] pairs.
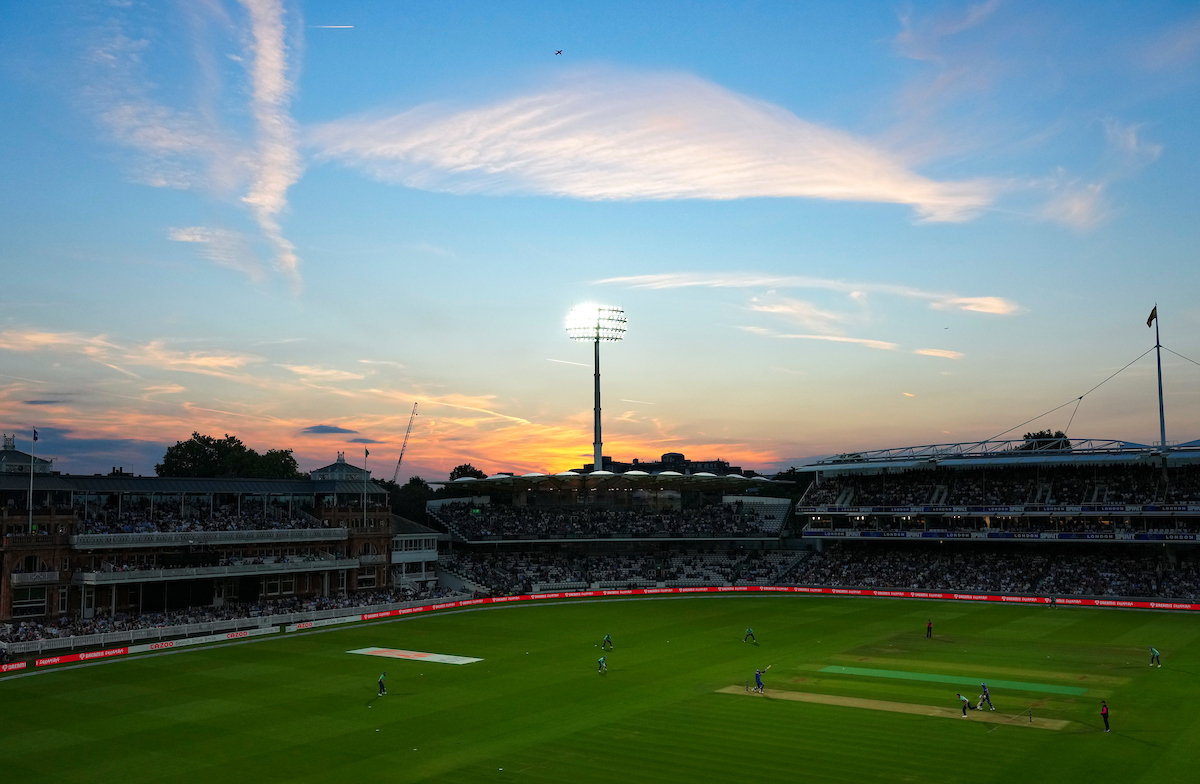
{"points": [[1176, 47], [881, 345], [803, 313], [568, 362], [105, 351], [920, 38], [222, 247], [744, 280], [939, 352], [192, 147], [156, 354], [277, 166], [386, 362], [323, 374], [606, 136], [35, 340]]}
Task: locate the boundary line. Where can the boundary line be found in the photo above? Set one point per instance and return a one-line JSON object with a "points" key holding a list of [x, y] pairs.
{"points": [[468, 605]]}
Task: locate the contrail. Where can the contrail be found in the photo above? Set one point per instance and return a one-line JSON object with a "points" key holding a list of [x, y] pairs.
{"points": [[565, 362], [331, 27]]}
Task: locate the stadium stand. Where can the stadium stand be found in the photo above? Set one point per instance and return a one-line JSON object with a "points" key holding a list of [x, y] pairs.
{"points": [[1098, 570], [495, 521], [32, 630], [526, 572]]}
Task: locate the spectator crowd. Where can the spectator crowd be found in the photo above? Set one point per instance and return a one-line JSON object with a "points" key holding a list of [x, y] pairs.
{"points": [[489, 521], [25, 631], [526, 572], [1138, 485], [1099, 571]]}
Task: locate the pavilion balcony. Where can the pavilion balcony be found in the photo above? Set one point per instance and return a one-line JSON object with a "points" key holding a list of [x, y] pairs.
{"points": [[200, 572], [183, 538]]}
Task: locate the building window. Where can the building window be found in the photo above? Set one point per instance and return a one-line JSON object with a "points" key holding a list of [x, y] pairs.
{"points": [[28, 602], [64, 594], [287, 584], [366, 578], [272, 586], [342, 581]]}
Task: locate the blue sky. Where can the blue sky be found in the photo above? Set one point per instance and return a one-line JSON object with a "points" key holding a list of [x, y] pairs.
{"points": [[833, 226]]}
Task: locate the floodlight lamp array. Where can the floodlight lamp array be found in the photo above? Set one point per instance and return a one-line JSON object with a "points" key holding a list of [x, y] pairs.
{"points": [[595, 322]]}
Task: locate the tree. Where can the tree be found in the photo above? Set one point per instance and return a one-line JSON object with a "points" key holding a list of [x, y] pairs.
{"points": [[466, 469], [1043, 440], [408, 500], [228, 456], [278, 464]]}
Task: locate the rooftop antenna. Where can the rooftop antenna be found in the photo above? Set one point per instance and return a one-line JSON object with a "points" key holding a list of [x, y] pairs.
{"points": [[396, 473]]}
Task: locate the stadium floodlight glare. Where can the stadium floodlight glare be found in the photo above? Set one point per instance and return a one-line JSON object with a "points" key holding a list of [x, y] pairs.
{"points": [[596, 323]]}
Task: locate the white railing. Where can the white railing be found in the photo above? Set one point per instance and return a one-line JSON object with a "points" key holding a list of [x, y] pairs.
{"points": [[196, 629], [191, 573], [107, 541]]}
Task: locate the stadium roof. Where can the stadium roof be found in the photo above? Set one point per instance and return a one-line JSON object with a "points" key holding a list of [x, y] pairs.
{"points": [[1012, 453], [195, 485], [664, 480]]}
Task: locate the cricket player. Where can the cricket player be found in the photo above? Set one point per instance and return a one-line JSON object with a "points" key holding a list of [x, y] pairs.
{"points": [[603, 665], [929, 629], [750, 636], [965, 704], [607, 644], [1104, 714], [758, 684], [1154, 657], [985, 697], [382, 685]]}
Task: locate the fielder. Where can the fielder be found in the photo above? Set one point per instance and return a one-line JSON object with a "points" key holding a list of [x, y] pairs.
{"points": [[382, 686], [750, 636], [1154, 657], [965, 704], [603, 666], [607, 643]]}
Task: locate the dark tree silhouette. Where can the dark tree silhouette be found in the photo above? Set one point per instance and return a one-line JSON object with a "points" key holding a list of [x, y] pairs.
{"points": [[466, 469], [228, 456]]}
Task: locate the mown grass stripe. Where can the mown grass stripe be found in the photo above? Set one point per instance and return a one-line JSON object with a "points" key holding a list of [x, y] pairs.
{"points": [[955, 679]]}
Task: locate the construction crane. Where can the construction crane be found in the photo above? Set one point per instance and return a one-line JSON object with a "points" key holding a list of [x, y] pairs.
{"points": [[396, 473]]}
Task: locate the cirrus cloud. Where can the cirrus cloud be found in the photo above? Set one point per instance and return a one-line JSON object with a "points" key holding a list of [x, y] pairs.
{"points": [[605, 136]]}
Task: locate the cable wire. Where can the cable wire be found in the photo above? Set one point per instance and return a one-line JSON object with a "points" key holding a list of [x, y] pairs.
{"points": [[1080, 398], [1181, 356]]}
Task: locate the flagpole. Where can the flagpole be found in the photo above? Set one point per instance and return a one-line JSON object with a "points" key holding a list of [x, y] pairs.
{"points": [[32, 451], [1162, 421], [366, 454]]}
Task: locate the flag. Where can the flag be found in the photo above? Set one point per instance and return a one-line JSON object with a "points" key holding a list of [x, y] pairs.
{"points": [[1153, 316], [35, 438], [366, 453]]}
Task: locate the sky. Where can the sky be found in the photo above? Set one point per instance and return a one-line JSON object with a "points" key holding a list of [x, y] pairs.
{"points": [[833, 226]]}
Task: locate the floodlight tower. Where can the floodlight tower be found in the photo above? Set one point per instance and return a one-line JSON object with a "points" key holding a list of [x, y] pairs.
{"points": [[596, 323]]}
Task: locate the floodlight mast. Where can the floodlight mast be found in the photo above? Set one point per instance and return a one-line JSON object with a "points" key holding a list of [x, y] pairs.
{"points": [[596, 323]]}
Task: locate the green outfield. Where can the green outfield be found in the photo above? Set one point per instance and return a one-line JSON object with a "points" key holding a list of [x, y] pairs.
{"points": [[855, 694]]}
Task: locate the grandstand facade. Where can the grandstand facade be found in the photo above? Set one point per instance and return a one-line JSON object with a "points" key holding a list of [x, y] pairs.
{"points": [[1079, 490], [118, 545], [603, 530]]}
